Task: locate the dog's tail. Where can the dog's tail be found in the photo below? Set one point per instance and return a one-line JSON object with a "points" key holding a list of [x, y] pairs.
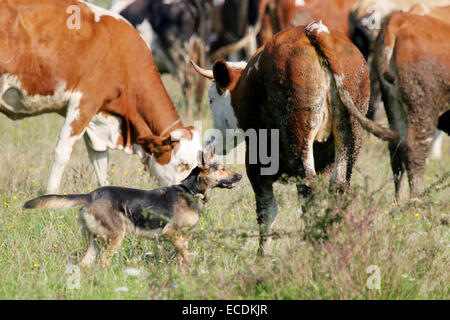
{"points": [[57, 202]]}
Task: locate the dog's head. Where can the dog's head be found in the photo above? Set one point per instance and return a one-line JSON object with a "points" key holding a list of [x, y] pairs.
{"points": [[213, 173]]}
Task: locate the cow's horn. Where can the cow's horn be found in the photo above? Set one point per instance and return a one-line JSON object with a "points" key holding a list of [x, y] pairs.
{"points": [[206, 73]]}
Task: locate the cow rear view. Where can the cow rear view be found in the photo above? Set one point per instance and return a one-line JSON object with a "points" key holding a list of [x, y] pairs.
{"points": [[302, 82]]}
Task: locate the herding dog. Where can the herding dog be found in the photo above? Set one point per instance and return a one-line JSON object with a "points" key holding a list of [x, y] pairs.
{"points": [[169, 211]]}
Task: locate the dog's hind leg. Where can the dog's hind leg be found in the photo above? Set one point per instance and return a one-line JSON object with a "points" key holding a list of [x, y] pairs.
{"points": [[92, 246], [92, 251], [112, 246]]}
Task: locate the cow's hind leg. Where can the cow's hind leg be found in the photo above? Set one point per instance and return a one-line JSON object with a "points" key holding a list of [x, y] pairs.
{"points": [[99, 160], [417, 151], [347, 140], [266, 207], [398, 166]]}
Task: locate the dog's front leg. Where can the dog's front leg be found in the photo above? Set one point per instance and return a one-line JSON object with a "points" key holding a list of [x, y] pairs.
{"points": [[181, 243]]}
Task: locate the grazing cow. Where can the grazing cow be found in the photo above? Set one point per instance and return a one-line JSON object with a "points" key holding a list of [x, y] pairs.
{"points": [[295, 83], [413, 66], [93, 68], [176, 31]]}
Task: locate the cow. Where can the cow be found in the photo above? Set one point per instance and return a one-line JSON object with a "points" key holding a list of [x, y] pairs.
{"points": [[236, 29], [366, 19], [413, 67], [298, 85], [272, 16], [333, 13], [176, 31], [93, 68]]}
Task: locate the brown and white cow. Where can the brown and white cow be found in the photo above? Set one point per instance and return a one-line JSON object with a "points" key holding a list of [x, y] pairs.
{"points": [[284, 14], [368, 16], [91, 66], [300, 83], [176, 32], [413, 65], [366, 20]]}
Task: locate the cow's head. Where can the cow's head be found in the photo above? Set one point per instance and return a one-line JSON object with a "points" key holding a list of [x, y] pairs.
{"points": [[173, 156], [226, 76]]}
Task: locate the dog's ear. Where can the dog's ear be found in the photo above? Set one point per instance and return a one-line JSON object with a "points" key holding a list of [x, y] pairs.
{"points": [[202, 160], [210, 153], [155, 145]]}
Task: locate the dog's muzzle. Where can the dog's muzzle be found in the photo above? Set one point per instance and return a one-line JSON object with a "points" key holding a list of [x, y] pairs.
{"points": [[229, 184]]}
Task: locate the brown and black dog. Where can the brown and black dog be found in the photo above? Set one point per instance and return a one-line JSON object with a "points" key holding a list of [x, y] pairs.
{"points": [[173, 212]]}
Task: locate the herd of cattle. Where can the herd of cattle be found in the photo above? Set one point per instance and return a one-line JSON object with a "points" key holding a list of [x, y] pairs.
{"points": [[320, 66]]}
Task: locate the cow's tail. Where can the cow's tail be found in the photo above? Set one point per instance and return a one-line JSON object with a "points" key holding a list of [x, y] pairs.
{"points": [[320, 37], [57, 202]]}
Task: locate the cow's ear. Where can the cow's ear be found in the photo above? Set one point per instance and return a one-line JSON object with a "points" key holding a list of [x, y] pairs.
{"points": [[222, 73], [155, 145]]}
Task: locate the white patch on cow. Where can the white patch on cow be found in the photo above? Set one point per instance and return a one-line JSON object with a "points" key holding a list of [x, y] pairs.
{"points": [[223, 118], [387, 54], [237, 64], [146, 31], [218, 3], [299, 3], [66, 142], [118, 5], [321, 123], [101, 135], [436, 149], [103, 132], [318, 27], [425, 9], [17, 100], [99, 12], [339, 80], [182, 161]]}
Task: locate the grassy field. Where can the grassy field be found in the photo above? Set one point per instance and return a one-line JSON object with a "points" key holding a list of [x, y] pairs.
{"points": [[409, 246], [312, 258]]}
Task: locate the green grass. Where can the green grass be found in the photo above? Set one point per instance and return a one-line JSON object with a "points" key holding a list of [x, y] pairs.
{"points": [[410, 245]]}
